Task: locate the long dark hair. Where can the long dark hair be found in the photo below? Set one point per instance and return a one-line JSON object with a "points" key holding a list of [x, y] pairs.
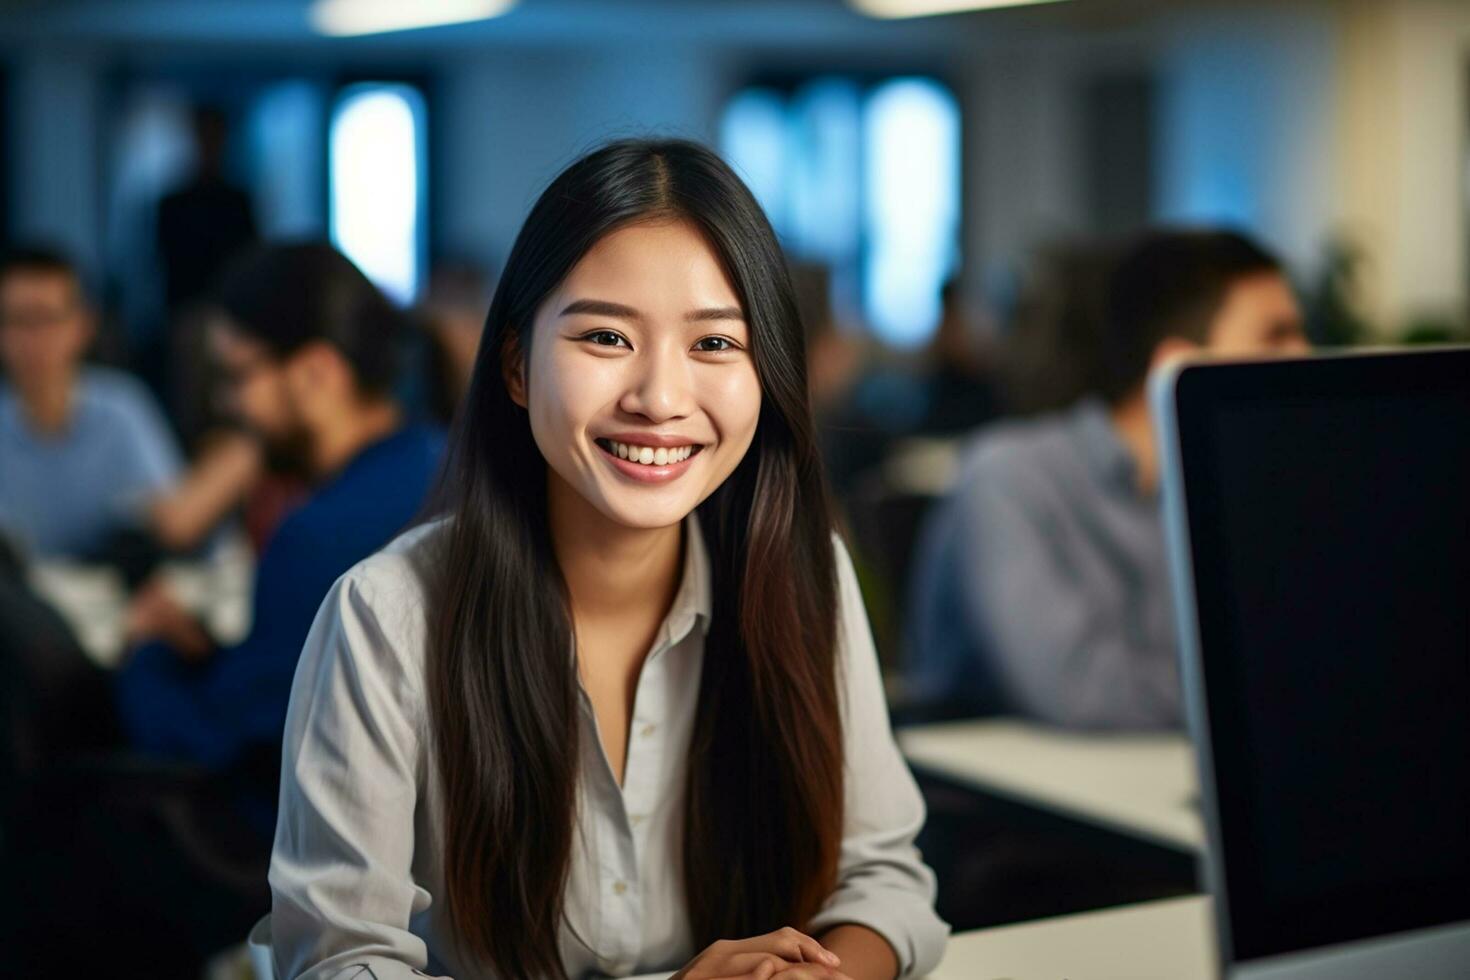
{"points": [[763, 813]]}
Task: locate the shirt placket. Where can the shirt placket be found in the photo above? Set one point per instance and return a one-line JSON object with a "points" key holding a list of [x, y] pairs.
{"points": [[642, 791], [622, 913], [621, 835]]}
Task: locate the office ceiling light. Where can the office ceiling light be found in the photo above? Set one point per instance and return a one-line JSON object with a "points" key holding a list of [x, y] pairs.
{"points": [[348, 18], [895, 9]]}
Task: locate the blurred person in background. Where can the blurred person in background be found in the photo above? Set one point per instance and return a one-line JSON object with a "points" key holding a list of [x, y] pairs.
{"points": [[1051, 355], [959, 387], [222, 479], [201, 225], [836, 362], [83, 450], [172, 846], [453, 316], [1042, 586], [205, 221], [308, 347], [89, 469], [861, 404]]}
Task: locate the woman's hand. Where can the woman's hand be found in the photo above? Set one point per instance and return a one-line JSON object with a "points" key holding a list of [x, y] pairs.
{"points": [[784, 953]]}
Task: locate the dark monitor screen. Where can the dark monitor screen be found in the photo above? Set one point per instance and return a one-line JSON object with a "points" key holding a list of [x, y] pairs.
{"points": [[1329, 520]]}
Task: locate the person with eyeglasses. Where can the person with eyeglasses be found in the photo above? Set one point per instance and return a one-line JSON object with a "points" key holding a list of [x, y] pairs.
{"points": [[83, 449]]}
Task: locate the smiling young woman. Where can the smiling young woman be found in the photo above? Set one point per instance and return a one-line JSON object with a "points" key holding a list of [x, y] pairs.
{"points": [[618, 708]]}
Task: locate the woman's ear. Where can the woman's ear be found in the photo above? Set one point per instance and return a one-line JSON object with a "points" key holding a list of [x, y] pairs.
{"points": [[513, 368]]}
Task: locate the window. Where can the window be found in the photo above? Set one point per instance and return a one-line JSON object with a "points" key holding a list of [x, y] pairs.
{"points": [[864, 178], [376, 160]]}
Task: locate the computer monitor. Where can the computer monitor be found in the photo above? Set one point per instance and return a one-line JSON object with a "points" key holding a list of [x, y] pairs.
{"points": [[1318, 517]]}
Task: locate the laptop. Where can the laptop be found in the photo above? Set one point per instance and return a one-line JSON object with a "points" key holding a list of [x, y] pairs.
{"points": [[1318, 517]]}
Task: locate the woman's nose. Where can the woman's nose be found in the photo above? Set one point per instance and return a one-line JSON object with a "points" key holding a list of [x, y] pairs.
{"points": [[662, 388]]}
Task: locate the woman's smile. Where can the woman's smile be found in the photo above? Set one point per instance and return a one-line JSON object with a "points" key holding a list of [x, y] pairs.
{"points": [[646, 463]]}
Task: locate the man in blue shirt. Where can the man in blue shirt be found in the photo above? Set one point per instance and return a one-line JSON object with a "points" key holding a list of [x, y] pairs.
{"points": [[157, 865], [1041, 585], [308, 347], [82, 450]]}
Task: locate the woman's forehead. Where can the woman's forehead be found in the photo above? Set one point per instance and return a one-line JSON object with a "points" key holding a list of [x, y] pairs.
{"points": [[668, 263]]}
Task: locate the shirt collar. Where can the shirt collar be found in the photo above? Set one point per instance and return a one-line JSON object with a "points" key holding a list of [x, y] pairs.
{"points": [[13, 417], [694, 602], [1102, 447], [9, 408]]}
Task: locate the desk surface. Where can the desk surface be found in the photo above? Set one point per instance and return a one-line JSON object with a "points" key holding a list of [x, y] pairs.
{"points": [[1169, 940], [93, 600], [1142, 785]]}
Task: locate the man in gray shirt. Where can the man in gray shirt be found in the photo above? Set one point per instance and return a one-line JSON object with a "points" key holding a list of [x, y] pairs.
{"points": [[1041, 587]]}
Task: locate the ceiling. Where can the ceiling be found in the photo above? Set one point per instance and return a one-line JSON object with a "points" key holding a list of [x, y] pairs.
{"points": [[777, 22]]}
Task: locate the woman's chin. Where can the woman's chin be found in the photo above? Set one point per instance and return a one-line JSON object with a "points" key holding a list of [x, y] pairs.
{"points": [[645, 514]]}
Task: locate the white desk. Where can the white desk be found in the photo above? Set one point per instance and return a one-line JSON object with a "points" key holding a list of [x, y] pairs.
{"points": [[1142, 785], [93, 600], [1169, 940]]}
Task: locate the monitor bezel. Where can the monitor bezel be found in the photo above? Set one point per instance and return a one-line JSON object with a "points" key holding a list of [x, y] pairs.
{"points": [[1183, 397]]}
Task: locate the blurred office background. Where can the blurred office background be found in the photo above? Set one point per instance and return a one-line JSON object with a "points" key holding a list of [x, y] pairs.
{"points": [[945, 186]]}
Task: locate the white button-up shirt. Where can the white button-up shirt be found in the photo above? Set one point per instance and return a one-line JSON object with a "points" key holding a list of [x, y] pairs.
{"points": [[358, 851]]}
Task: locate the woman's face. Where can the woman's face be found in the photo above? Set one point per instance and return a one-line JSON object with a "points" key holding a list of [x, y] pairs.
{"points": [[639, 382]]}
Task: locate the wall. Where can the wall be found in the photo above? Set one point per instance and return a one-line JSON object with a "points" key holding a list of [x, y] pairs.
{"points": [[1314, 122], [1021, 145], [508, 121], [1401, 154], [53, 151], [1245, 124]]}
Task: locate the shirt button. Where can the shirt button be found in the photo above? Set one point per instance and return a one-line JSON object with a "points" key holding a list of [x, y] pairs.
{"points": [[635, 818], [648, 730], [619, 887]]}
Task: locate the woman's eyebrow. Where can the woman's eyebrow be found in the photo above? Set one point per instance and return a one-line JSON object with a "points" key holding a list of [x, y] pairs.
{"points": [[715, 313], [600, 307]]}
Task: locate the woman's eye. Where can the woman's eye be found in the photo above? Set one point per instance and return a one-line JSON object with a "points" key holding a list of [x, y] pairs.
{"points": [[605, 338], [715, 345]]}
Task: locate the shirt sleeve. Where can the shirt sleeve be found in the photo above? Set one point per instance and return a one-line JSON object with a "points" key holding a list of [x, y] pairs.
{"points": [[883, 883], [341, 873], [1063, 654], [151, 445]]}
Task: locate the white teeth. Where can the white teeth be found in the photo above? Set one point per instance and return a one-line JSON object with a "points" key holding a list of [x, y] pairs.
{"points": [[649, 456]]}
